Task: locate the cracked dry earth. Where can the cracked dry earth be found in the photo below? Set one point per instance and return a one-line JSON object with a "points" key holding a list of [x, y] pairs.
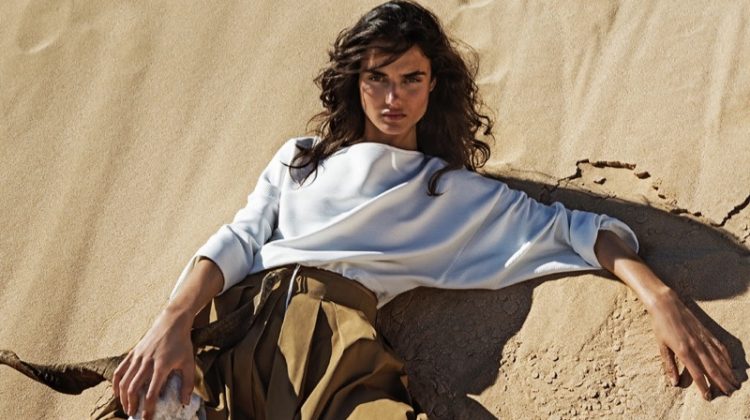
{"points": [[581, 346], [736, 222]]}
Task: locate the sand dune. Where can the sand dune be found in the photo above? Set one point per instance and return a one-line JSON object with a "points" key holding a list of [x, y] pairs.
{"points": [[130, 131]]}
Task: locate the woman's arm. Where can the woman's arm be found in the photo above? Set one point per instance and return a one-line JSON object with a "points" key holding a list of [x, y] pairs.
{"points": [[677, 330], [203, 286]]}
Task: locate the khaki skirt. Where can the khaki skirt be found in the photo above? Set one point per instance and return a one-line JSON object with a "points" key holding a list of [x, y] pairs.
{"points": [[316, 355]]}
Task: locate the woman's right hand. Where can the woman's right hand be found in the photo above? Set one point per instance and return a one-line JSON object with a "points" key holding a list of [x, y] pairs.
{"points": [[166, 347]]}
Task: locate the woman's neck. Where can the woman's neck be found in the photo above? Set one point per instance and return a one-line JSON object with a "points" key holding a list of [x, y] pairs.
{"points": [[407, 140]]}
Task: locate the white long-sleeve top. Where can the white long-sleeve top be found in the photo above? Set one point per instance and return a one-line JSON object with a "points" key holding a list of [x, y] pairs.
{"points": [[367, 215]]}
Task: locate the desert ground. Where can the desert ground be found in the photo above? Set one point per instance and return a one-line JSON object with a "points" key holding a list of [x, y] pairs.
{"points": [[130, 131]]}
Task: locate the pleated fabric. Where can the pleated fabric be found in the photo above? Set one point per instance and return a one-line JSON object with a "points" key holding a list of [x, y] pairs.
{"points": [[317, 356]]}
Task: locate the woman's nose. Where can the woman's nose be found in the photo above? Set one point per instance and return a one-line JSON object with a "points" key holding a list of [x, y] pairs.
{"points": [[393, 94]]}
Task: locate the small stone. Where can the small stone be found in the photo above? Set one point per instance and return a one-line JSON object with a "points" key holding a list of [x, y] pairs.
{"points": [[600, 180], [551, 377], [642, 174], [535, 375], [616, 347], [510, 307], [592, 393], [662, 196]]}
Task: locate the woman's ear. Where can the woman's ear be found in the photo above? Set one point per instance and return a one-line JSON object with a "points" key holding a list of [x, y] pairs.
{"points": [[432, 84]]}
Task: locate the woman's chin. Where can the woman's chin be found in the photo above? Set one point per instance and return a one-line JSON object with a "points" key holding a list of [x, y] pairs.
{"points": [[393, 129]]}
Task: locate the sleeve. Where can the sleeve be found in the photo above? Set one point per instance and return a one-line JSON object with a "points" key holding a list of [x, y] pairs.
{"points": [[520, 239], [234, 245]]}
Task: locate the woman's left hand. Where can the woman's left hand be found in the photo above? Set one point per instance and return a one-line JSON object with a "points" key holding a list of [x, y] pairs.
{"points": [[679, 333], [677, 330]]}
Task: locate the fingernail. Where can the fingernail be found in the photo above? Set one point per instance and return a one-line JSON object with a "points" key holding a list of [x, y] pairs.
{"points": [[675, 381]]}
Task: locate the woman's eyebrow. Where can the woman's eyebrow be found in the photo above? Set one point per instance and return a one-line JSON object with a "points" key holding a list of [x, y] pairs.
{"points": [[411, 74], [415, 73]]}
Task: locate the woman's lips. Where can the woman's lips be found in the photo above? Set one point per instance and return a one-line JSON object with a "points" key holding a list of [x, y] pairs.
{"points": [[393, 116]]}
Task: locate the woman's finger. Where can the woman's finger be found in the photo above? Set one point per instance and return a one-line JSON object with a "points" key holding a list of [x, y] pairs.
{"points": [[698, 375], [188, 382], [722, 350], [127, 379], [725, 364], [716, 371], [669, 364], [120, 372], [154, 389], [141, 378]]}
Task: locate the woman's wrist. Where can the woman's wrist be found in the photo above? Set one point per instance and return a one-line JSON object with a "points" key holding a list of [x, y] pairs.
{"points": [[177, 316], [656, 296], [661, 299]]}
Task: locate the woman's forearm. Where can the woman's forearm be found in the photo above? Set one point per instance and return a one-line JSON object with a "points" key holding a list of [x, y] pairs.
{"points": [[203, 283], [617, 257]]}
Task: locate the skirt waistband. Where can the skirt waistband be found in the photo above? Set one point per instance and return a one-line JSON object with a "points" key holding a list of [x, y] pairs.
{"points": [[328, 285]]}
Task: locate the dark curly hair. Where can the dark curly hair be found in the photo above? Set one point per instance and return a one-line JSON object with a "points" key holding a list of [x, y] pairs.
{"points": [[447, 129]]}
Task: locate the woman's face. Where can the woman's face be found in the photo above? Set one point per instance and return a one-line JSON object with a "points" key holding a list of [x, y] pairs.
{"points": [[394, 97]]}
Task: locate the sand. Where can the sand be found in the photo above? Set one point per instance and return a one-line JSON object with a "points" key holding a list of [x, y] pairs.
{"points": [[130, 131]]}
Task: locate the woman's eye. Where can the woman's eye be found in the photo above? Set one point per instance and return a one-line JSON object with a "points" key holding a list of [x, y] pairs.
{"points": [[376, 78], [412, 80]]}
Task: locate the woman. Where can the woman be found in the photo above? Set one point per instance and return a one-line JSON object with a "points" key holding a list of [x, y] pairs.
{"points": [[386, 198]]}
